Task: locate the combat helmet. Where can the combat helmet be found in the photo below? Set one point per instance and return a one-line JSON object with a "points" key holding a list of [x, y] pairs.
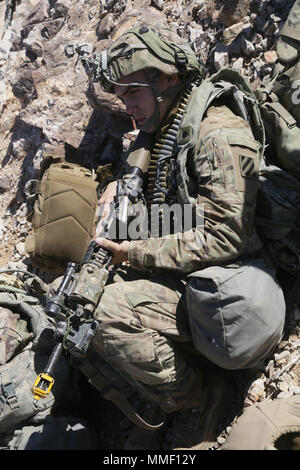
{"points": [[153, 50], [143, 48]]}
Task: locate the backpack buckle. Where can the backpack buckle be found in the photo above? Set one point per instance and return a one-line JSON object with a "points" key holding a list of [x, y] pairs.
{"points": [[10, 396]]}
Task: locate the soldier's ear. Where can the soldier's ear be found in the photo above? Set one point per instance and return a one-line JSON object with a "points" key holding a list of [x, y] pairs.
{"points": [[173, 79]]}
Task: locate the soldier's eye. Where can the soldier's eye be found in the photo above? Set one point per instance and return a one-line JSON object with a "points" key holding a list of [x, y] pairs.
{"points": [[133, 91]]}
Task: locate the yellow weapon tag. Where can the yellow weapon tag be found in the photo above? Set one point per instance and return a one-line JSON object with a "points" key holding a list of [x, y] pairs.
{"points": [[44, 382], [42, 386]]}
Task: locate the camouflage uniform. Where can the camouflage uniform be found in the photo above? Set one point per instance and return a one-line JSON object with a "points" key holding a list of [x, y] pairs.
{"points": [[138, 331], [13, 334], [212, 292]]}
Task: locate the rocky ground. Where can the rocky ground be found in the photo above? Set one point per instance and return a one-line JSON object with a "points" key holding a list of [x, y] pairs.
{"points": [[47, 103]]}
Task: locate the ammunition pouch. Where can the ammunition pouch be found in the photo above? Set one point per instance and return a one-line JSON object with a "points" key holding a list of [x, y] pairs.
{"points": [[64, 215]]}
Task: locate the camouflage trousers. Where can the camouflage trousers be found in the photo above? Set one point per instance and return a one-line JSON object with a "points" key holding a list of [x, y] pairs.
{"points": [[169, 338], [144, 336]]}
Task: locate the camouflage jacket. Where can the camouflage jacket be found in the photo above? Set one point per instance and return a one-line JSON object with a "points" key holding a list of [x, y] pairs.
{"points": [[217, 162]]}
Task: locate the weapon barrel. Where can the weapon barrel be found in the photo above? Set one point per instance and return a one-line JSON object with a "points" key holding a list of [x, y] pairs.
{"points": [[55, 355]]}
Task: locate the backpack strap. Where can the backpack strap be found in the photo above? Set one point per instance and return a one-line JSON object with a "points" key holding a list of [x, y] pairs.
{"points": [[283, 113], [108, 392]]}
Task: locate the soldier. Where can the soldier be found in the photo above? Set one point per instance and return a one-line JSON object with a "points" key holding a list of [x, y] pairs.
{"points": [[183, 307]]}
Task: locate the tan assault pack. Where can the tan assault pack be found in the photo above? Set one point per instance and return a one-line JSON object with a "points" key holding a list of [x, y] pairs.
{"points": [[64, 214]]}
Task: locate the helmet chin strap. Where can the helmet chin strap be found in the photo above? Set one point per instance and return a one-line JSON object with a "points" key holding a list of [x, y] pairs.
{"points": [[159, 98]]}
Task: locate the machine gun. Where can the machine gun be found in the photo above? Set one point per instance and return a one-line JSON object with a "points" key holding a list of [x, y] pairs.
{"points": [[74, 302]]}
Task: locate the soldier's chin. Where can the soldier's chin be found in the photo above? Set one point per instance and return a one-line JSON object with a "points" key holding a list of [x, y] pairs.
{"points": [[148, 126]]}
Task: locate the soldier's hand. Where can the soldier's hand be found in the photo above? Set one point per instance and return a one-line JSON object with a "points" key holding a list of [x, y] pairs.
{"points": [[119, 250], [104, 204], [108, 195]]}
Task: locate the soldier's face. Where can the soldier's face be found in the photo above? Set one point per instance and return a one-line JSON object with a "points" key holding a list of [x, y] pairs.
{"points": [[140, 101]]}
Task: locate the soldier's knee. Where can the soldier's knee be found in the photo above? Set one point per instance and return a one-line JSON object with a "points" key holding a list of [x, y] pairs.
{"points": [[112, 304]]}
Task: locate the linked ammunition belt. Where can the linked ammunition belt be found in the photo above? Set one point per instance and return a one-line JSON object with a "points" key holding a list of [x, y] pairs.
{"points": [[161, 172]]}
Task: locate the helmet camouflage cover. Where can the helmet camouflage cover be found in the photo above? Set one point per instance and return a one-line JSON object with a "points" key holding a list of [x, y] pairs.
{"points": [[143, 48]]}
